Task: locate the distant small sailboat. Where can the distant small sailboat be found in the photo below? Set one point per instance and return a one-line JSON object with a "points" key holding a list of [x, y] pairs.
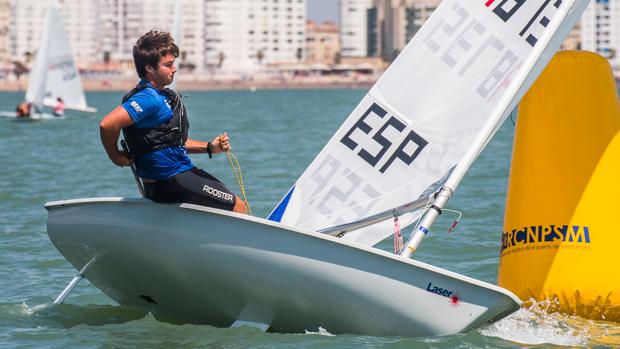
{"points": [[54, 74]]}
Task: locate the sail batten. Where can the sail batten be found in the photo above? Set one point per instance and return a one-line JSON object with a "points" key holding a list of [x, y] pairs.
{"points": [[431, 113]]}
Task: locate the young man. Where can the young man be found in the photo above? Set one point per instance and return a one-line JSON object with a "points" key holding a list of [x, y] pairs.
{"points": [[155, 126]]}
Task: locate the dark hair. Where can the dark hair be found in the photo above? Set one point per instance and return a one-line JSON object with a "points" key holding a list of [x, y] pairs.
{"points": [[150, 48]]}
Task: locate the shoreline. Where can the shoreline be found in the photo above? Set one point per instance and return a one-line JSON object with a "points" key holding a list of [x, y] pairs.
{"points": [[101, 85]]}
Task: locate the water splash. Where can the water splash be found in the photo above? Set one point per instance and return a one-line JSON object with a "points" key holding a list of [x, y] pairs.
{"points": [[535, 325], [40, 312], [33, 310], [321, 332]]}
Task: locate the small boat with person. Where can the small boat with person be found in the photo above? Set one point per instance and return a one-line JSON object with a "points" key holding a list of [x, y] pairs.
{"points": [[54, 80]]}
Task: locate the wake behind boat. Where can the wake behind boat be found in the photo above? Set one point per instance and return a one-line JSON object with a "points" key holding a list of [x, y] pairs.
{"points": [[400, 154]]}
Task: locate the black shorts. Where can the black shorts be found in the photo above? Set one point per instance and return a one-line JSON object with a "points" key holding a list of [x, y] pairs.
{"points": [[193, 187]]}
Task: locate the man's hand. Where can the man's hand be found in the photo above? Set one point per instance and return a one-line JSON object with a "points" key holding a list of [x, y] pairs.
{"points": [[220, 143], [121, 159]]}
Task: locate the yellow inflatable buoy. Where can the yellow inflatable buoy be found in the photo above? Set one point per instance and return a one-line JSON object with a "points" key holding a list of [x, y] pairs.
{"points": [[561, 231]]}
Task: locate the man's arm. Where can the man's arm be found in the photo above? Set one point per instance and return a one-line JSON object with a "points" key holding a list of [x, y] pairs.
{"points": [[219, 144], [109, 130]]}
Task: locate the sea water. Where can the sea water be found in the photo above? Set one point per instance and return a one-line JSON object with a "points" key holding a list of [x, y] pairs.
{"points": [[275, 134]]}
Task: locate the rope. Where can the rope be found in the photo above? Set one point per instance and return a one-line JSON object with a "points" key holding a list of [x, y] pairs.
{"points": [[398, 238], [236, 168]]}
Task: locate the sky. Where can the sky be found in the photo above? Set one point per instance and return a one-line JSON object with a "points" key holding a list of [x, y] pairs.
{"points": [[321, 10]]}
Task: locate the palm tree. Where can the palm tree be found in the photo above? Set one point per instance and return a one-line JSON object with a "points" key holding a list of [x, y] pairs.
{"points": [[259, 56], [220, 59], [19, 68], [106, 57]]}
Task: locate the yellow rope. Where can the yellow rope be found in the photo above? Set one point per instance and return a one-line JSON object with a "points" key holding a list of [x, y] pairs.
{"points": [[238, 176]]}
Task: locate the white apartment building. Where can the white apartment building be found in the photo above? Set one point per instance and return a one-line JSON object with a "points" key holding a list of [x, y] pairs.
{"points": [[5, 25], [381, 27], [231, 34], [416, 14], [119, 25], [600, 30], [159, 15], [80, 20], [28, 19], [408, 17], [26, 28], [354, 27], [393, 23], [244, 35], [122, 22]]}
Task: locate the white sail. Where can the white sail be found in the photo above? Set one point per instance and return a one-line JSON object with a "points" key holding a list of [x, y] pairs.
{"points": [[176, 35], [38, 75], [463, 73], [55, 73]]}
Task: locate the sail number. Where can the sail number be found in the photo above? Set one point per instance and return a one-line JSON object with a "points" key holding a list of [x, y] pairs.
{"points": [[463, 41], [506, 9], [65, 65], [405, 152]]}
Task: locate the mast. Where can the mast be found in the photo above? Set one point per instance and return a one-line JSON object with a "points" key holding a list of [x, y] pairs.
{"points": [[38, 75], [536, 60]]}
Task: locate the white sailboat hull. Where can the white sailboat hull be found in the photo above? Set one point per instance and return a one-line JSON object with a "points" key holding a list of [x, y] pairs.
{"points": [[31, 117], [193, 264], [83, 108]]}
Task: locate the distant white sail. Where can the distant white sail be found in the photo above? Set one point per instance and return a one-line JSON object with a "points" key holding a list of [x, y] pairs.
{"points": [[418, 122], [55, 73]]}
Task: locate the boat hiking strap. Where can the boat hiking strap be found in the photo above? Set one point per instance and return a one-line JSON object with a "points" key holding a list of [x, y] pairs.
{"points": [[236, 168]]}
